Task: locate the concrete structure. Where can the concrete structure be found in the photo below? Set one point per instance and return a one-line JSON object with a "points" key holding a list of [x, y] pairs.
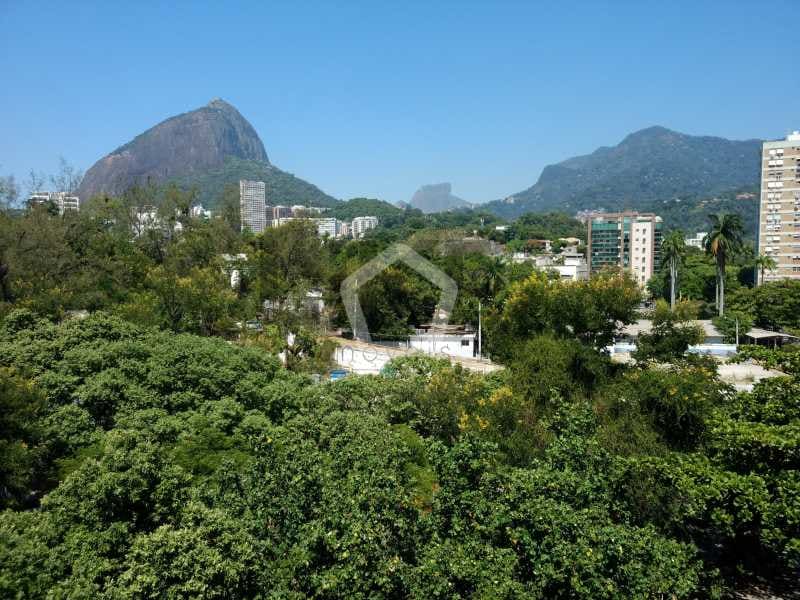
{"points": [[280, 212], [779, 207], [283, 221], [572, 267], [627, 240], [713, 343], [327, 227], [198, 212], [62, 201], [369, 359], [697, 240], [253, 205], [361, 225]]}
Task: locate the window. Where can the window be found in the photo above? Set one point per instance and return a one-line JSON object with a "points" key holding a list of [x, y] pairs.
{"points": [[465, 342]]}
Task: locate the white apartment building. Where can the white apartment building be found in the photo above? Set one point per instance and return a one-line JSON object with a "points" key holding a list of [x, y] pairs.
{"points": [[63, 201], [327, 227], [779, 207], [253, 205], [361, 225], [697, 240]]}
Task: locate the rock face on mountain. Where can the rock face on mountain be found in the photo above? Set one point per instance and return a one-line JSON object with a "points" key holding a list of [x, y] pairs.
{"points": [[193, 142], [650, 165], [436, 197], [205, 149]]}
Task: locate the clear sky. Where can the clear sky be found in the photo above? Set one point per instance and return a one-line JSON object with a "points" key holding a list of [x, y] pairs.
{"points": [[377, 98]]}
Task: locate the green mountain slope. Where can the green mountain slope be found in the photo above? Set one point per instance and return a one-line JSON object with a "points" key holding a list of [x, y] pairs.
{"points": [[282, 187], [651, 165]]}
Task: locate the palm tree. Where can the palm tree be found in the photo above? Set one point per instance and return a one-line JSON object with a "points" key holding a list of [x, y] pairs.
{"points": [[673, 249], [723, 241], [764, 262]]}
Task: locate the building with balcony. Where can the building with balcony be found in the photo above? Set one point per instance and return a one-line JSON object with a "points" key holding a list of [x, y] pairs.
{"points": [[779, 207], [63, 202], [628, 240], [360, 226]]}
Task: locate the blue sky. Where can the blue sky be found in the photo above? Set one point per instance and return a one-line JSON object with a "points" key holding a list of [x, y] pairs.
{"points": [[376, 99]]}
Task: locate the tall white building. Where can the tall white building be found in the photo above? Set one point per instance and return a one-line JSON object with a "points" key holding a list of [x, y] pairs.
{"points": [[63, 201], [361, 225], [779, 207], [253, 205]]}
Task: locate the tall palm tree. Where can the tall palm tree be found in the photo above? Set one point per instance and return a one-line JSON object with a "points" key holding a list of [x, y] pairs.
{"points": [[673, 249], [764, 262], [723, 241]]}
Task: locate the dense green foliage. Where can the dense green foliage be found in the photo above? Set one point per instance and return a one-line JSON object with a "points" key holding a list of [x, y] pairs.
{"points": [[156, 448], [179, 466], [648, 166]]}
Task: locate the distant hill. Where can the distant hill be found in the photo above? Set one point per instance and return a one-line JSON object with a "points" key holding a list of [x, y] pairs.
{"points": [[363, 207], [436, 197], [281, 187], [209, 147], [653, 164]]}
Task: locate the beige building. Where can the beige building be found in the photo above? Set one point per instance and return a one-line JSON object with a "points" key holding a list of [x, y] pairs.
{"points": [[779, 207]]}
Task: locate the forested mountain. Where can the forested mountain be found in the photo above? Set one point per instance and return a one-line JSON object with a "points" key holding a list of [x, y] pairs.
{"points": [[653, 164], [209, 148]]}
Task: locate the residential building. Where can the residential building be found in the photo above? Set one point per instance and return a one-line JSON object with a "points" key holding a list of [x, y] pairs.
{"points": [[280, 212], [779, 207], [326, 227], [253, 205], [697, 240], [627, 240], [198, 212], [361, 225], [572, 267], [62, 201]]}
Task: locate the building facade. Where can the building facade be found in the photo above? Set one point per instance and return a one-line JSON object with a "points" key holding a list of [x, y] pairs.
{"points": [[627, 240], [327, 227], [62, 201], [253, 205], [361, 225], [697, 240], [779, 207]]}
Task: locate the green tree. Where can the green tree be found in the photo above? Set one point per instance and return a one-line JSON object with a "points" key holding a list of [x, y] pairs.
{"points": [[671, 335], [764, 263], [723, 241], [673, 249]]}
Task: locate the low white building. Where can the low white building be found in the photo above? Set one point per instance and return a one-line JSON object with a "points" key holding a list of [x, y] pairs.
{"points": [[198, 212], [62, 201], [697, 240], [572, 267], [712, 344]]}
